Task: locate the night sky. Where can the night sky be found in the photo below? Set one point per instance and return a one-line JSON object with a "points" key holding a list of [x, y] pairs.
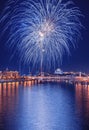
{"points": [[79, 59]]}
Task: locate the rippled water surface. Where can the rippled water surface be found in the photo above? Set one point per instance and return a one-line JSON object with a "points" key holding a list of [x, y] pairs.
{"points": [[44, 107]]}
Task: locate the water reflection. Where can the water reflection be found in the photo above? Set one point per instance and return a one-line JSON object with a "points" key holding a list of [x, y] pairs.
{"points": [[82, 103], [8, 95], [25, 106]]}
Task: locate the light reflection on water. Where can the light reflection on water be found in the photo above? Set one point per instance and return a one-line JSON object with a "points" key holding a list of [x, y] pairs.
{"points": [[26, 106]]}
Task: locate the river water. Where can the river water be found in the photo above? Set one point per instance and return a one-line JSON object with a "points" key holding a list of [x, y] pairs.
{"points": [[50, 106]]}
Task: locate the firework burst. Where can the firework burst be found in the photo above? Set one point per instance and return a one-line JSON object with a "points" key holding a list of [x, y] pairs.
{"points": [[41, 31]]}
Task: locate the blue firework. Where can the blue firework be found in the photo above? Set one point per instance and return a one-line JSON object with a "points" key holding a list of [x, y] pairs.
{"points": [[41, 31]]}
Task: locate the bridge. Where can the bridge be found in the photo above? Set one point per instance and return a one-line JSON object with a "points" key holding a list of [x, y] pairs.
{"points": [[67, 79]]}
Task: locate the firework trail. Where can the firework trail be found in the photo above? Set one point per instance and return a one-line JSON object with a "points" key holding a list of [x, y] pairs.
{"points": [[41, 31]]}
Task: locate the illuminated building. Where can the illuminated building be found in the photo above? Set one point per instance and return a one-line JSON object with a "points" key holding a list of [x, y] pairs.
{"points": [[10, 75]]}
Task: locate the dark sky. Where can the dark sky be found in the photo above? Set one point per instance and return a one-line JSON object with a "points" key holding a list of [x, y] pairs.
{"points": [[79, 59]]}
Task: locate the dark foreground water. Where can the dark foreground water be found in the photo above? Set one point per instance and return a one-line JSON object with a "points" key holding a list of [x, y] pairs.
{"points": [[44, 107]]}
